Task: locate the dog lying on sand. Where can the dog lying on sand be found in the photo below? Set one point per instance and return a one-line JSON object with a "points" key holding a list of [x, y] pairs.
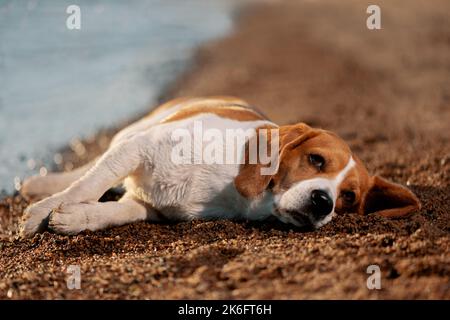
{"points": [[311, 176]]}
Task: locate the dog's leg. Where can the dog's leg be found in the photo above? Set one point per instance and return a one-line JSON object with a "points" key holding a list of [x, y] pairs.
{"points": [[115, 165], [38, 187], [74, 218]]}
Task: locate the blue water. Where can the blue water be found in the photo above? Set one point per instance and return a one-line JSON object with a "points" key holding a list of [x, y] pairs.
{"points": [[57, 85]]}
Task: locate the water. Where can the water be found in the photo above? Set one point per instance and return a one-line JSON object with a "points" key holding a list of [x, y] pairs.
{"points": [[58, 84]]}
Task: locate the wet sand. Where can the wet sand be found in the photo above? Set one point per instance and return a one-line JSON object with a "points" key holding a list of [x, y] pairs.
{"points": [[386, 92]]}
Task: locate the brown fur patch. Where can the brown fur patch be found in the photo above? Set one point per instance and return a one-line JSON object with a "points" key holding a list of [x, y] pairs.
{"points": [[190, 101], [168, 105], [225, 106], [224, 110]]}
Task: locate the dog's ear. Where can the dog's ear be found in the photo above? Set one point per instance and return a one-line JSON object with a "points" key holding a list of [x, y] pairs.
{"points": [[250, 182], [389, 199]]}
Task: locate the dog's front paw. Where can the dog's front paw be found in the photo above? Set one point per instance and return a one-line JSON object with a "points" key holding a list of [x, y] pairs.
{"points": [[36, 216], [69, 219]]}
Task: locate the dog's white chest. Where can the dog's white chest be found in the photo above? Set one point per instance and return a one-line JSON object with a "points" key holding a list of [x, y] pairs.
{"points": [[203, 185]]}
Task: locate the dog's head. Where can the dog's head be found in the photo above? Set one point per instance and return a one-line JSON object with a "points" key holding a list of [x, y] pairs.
{"points": [[319, 176]]}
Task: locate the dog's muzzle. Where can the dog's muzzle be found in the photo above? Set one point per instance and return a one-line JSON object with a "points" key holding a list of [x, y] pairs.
{"points": [[318, 206]]}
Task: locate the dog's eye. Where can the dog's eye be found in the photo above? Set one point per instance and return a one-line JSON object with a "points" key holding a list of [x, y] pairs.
{"points": [[348, 196], [317, 160]]}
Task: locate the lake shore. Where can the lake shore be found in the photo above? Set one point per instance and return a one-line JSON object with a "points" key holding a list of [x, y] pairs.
{"points": [[386, 92]]}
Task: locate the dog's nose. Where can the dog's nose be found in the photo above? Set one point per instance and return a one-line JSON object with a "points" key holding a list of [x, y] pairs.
{"points": [[322, 204]]}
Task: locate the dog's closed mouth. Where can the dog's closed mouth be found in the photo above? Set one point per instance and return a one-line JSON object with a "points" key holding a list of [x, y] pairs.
{"points": [[297, 218]]}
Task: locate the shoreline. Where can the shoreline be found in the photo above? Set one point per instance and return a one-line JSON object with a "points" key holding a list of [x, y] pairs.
{"points": [[281, 60]]}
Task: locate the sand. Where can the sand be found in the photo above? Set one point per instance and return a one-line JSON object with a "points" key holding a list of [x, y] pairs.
{"points": [[386, 92]]}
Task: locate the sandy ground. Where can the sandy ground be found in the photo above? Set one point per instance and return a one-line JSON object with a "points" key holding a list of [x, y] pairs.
{"points": [[387, 92]]}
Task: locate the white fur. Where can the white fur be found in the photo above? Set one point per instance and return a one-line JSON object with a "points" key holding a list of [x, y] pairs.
{"points": [[140, 155], [186, 191]]}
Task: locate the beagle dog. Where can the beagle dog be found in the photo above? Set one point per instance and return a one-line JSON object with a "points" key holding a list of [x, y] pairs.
{"points": [[316, 175]]}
